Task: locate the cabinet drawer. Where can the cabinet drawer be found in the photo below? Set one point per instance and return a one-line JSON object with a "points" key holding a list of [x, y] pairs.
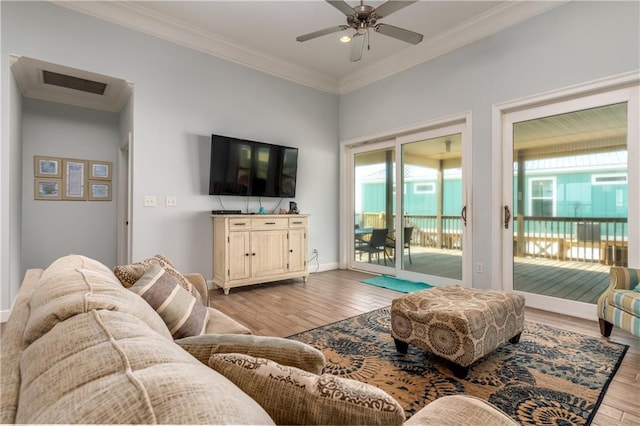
{"points": [[297, 222], [239, 224], [269, 223]]}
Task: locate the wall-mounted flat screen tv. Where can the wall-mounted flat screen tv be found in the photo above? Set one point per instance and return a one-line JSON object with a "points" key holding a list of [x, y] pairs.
{"points": [[250, 168]]}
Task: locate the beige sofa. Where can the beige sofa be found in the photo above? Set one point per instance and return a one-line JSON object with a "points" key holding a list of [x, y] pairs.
{"points": [[81, 348]]}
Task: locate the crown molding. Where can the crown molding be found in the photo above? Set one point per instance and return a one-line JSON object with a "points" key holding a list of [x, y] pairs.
{"points": [[158, 25], [490, 22]]}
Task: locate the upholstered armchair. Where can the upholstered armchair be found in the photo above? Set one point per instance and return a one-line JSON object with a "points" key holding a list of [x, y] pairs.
{"points": [[619, 305]]}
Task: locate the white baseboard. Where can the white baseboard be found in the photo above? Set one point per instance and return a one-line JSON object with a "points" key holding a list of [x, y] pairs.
{"points": [[322, 268]]}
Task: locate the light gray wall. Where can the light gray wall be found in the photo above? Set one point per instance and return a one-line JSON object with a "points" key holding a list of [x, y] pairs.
{"points": [[51, 229], [574, 43], [181, 96]]}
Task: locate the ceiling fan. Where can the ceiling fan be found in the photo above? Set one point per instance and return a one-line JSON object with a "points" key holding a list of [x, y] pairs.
{"points": [[362, 18]]}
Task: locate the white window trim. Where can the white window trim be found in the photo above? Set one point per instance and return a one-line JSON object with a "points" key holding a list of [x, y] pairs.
{"points": [[553, 198]]}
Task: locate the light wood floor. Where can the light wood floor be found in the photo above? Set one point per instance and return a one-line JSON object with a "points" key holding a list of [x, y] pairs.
{"points": [[289, 307]]}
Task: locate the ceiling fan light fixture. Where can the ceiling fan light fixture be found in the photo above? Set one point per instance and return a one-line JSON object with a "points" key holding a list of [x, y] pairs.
{"points": [[345, 39]]}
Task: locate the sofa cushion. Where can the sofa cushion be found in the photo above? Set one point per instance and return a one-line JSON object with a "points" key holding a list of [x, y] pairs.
{"points": [[627, 301], [130, 274], [109, 367], [221, 323], [283, 351], [294, 396], [76, 284], [461, 410], [183, 313]]}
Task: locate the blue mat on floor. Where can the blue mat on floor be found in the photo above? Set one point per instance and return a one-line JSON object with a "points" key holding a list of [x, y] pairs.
{"points": [[396, 284]]}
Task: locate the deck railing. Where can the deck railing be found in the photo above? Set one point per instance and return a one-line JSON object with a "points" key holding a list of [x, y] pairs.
{"points": [[598, 240]]}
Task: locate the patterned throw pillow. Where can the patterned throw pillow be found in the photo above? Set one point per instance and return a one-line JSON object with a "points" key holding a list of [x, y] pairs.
{"points": [[129, 274], [182, 313], [293, 396]]}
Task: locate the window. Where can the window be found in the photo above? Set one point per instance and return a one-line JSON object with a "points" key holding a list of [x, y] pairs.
{"points": [[424, 188], [612, 179], [542, 196]]}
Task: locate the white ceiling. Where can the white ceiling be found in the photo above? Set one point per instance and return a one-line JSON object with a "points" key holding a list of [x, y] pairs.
{"points": [[262, 34]]}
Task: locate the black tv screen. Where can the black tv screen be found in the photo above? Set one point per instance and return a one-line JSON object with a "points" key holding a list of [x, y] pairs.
{"points": [[250, 168]]}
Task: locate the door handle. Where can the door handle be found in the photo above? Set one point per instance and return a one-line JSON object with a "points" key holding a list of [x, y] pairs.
{"points": [[463, 214], [507, 216]]}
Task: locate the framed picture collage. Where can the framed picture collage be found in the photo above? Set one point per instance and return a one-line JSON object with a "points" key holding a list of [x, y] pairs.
{"points": [[71, 179]]}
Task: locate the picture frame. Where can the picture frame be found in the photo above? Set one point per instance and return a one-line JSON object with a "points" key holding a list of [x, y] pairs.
{"points": [[100, 170], [47, 189], [99, 190], [74, 180], [47, 167]]}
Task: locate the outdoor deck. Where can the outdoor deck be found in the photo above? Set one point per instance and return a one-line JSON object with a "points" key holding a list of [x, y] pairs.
{"points": [[579, 281]]}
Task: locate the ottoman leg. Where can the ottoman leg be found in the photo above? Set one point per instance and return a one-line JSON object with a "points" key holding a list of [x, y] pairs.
{"points": [[401, 346], [515, 339]]}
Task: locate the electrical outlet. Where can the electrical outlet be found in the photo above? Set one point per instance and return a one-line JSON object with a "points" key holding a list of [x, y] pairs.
{"points": [[150, 201], [479, 267], [315, 251], [171, 202]]}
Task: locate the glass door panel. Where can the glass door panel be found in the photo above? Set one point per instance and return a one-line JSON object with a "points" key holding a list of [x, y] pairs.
{"points": [[432, 205], [570, 202], [374, 209]]}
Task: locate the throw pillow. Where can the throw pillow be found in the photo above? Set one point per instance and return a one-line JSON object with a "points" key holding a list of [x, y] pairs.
{"points": [[129, 274], [182, 313], [283, 351], [293, 396]]}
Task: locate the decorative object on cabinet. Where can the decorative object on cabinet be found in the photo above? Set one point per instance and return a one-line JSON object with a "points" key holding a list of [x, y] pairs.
{"points": [[257, 249]]}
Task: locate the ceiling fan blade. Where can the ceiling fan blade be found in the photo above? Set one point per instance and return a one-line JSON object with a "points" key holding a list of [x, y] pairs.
{"points": [[391, 6], [320, 33], [342, 7], [399, 33], [357, 46]]}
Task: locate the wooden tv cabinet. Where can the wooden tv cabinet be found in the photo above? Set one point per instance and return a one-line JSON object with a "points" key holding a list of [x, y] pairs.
{"points": [[254, 249]]}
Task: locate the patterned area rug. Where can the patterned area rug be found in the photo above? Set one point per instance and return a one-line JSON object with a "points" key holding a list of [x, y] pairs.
{"points": [[551, 377]]}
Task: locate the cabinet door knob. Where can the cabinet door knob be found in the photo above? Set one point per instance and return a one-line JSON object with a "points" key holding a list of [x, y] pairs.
{"points": [[290, 250], [246, 254], [253, 254]]}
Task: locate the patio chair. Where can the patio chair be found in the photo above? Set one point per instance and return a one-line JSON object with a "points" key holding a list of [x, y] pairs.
{"points": [[376, 244], [408, 232]]}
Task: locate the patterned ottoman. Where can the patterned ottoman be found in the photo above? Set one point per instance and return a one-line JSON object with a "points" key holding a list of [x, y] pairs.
{"points": [[458, 324]]}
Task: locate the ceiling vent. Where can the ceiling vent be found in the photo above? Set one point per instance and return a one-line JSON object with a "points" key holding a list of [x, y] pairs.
{"points": [[75, 83]]}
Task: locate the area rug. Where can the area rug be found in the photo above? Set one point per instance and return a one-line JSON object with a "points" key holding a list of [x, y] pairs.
{"points": [[393, 283], [551, 376]]}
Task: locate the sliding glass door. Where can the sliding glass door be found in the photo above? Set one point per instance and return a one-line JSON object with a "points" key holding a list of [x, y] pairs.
{"points": [[567, 219], [374, 208], [433, 208], [409, 211]]}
